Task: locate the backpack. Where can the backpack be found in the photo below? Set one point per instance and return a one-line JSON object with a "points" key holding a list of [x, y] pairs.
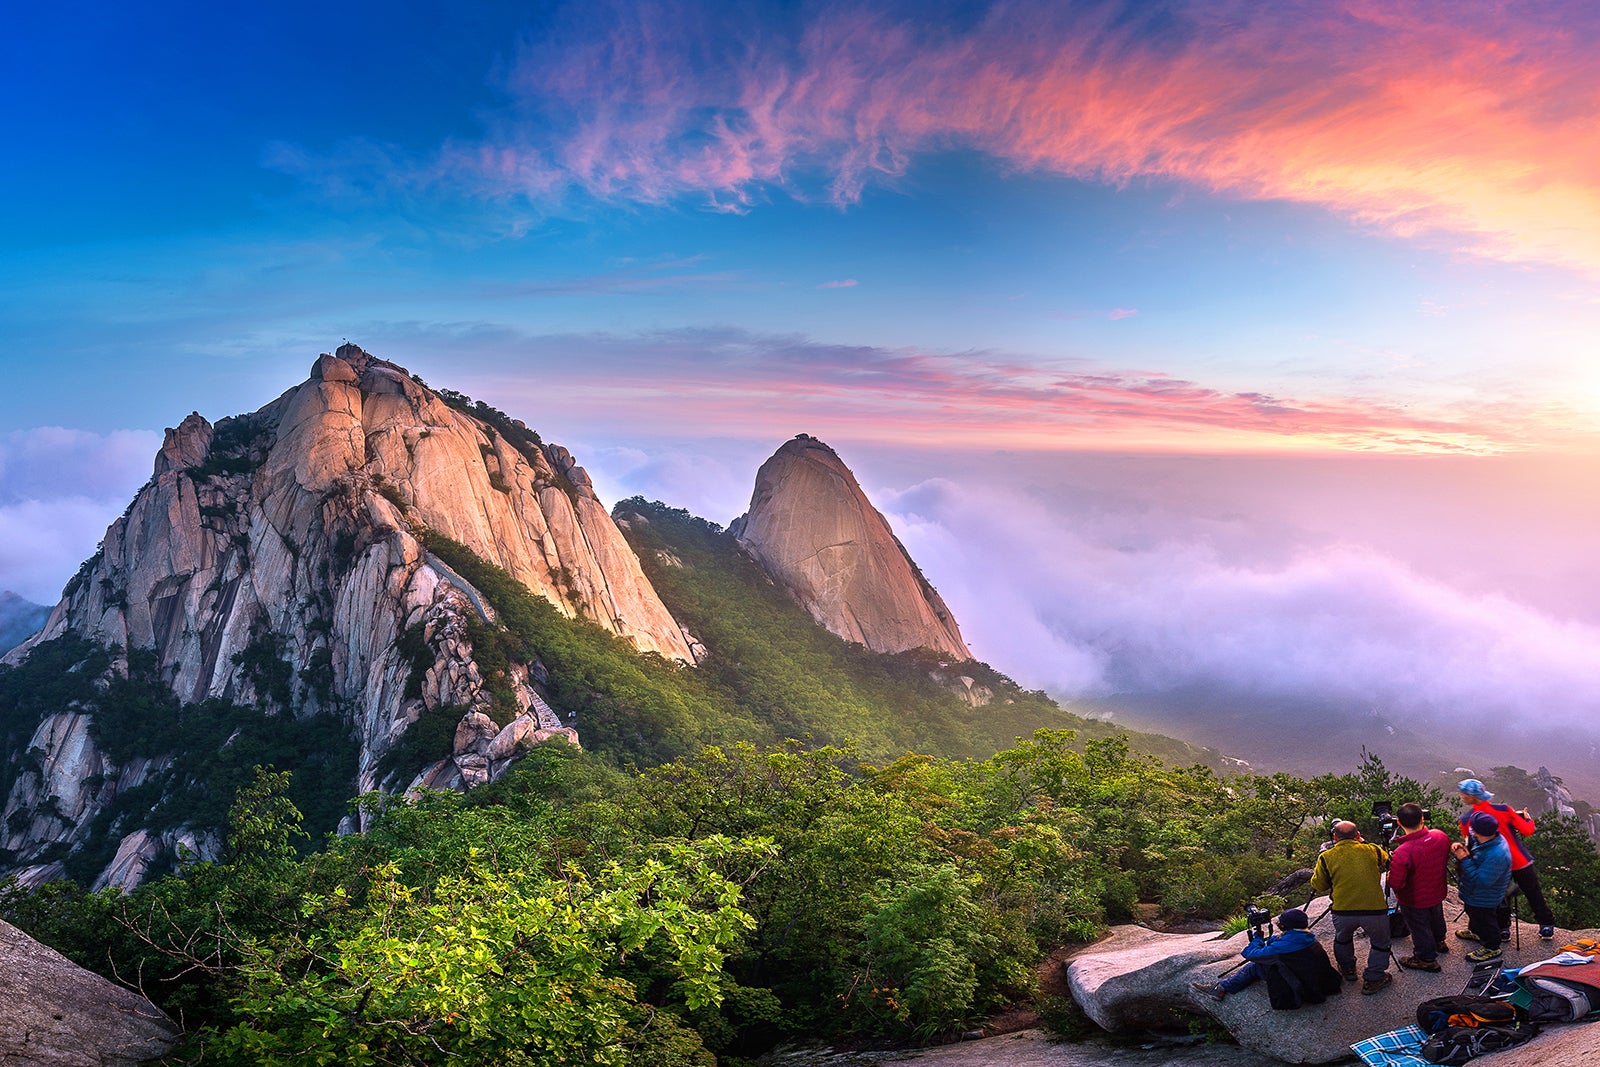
{"points": [[1458, 1044], [1555, 1001], [1467, 1012]]}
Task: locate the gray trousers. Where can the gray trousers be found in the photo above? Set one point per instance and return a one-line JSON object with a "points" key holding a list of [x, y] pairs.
{"points": [[1344, 948]]}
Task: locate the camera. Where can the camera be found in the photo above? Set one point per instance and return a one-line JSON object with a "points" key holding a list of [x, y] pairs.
{"points": [[1259, 920], [1388, 825]]}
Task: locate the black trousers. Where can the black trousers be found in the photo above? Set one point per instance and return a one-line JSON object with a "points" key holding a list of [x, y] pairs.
{"points": [[1527, 880], [1427, 928], [1483, 922]]}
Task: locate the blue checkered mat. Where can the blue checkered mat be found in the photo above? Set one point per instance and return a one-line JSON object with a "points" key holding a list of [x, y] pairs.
{"points": [[1397, 1048]]}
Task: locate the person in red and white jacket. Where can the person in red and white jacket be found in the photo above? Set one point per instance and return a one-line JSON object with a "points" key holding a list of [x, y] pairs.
{"points": [[1419, 870], [1514, 826]]}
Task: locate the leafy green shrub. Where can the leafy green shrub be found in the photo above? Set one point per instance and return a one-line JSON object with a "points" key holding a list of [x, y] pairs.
{"points": [[1065, 1021]]}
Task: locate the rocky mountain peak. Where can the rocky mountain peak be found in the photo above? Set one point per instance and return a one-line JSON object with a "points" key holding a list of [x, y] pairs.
{"points": [[279, 560], [813, 529], [185, 444]]}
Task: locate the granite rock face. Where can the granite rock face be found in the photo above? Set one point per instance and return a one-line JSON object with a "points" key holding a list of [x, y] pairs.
{"points": [[295, 529], [816, 533], [54, 1013]]}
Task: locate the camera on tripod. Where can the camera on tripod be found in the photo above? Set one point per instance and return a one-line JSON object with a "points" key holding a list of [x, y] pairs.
{"points": [[1259, 920], [1388, 825]]}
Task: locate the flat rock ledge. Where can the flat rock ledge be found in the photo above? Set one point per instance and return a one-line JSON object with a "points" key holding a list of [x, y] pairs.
{"points": [[1141, 979], [54, 1013]]}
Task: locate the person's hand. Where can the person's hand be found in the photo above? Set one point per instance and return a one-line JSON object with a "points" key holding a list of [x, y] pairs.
{"points": [[1458, 850]]}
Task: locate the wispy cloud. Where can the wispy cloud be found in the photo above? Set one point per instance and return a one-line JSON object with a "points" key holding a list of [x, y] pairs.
{"points": [[626, 278], [844, 283], [1470, 119], [736, 383]]}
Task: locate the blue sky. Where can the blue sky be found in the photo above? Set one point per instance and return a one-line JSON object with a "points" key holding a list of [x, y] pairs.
{"points": [[997, 243]]}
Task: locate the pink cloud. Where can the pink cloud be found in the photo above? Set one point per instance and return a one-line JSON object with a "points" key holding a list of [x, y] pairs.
{"points": [[1121, 313], [846, 283], [1470, 119], [745, 384]]}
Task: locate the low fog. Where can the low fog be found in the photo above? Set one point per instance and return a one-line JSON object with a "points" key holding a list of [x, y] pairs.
{"points": [[59, 490], [1439, 611]]}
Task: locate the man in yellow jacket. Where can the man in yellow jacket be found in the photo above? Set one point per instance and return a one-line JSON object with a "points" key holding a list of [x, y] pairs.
{"points": [[1351, 871]]}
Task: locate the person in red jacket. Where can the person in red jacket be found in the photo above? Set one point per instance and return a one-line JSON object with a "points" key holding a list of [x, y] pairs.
{"points": [[1514, 826], [1419, 871]]}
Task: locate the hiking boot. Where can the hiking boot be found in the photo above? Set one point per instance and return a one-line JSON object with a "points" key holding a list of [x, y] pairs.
{"points": [[1411, 963], [1213, 990], [1483, 955], [1468, 935], [1547, 933], [1350, 975], [1372, 985]]}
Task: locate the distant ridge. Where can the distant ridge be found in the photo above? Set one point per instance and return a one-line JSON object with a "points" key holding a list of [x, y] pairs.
{"points": [[19, 620]]}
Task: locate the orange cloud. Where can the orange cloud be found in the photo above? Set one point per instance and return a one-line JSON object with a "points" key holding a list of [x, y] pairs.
{"points": [[1472, 121]]}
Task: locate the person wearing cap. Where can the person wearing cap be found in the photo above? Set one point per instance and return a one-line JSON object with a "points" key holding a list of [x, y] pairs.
{"points": [[1295, 967], [1419, 874], [1483, 873], [1514, 826], [1350, 871]]}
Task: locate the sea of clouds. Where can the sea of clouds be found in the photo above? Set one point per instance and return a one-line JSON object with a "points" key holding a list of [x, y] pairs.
{"points": [[1436, 593]]}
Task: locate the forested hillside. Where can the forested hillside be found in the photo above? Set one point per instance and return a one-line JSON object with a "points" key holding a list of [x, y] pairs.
{"points": [[705, 907], [767, 654]]}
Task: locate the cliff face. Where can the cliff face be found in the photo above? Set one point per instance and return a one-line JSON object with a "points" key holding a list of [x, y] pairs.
{"points": [[814, 530], [290, 533]]}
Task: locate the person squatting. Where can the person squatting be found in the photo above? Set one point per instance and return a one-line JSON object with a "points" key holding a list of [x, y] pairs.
{"points": [[1489, 860]]}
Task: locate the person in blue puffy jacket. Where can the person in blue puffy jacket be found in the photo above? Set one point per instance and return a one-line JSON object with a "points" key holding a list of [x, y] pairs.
{"points": [[1483, 873]]}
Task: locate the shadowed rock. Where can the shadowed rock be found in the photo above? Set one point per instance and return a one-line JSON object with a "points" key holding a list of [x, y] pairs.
{"points": [[54, 1013]]}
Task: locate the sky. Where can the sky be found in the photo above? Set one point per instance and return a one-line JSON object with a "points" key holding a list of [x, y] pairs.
{"points": [[1212, 342]]}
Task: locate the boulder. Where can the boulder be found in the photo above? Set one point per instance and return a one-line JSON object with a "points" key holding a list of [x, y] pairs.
{"points": [[1139, 978], [56, 1014]]}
